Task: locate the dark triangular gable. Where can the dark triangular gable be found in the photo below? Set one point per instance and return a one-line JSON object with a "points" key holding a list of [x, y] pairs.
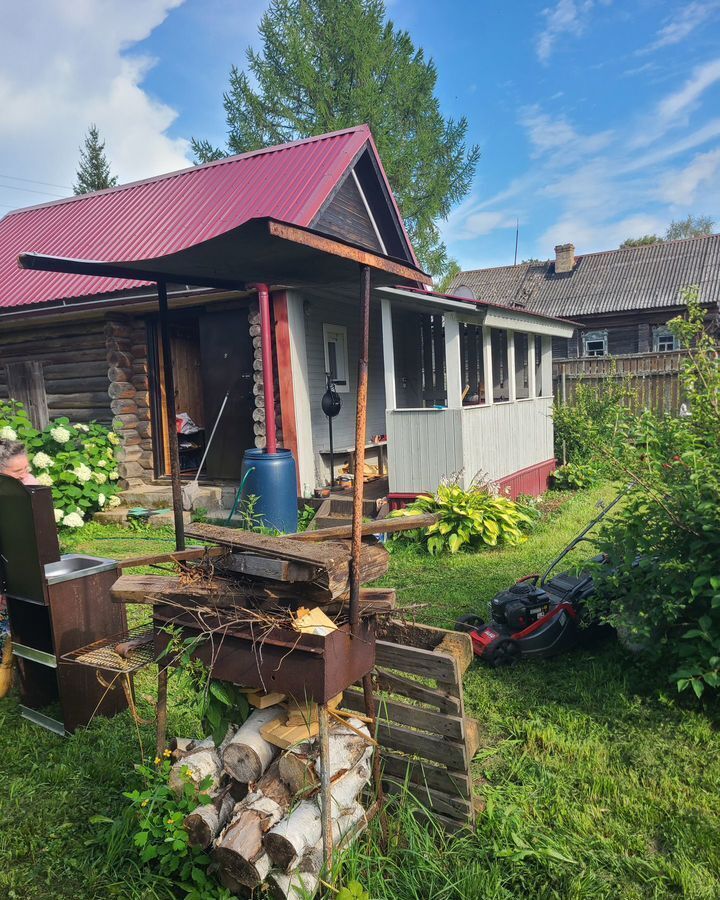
{"points": [[345, 213]]}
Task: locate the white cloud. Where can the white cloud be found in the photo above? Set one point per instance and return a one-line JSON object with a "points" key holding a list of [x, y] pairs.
{"points": [[565, 17], [681, 187], [683, 23], [549, 134], [681, 101], [67, 65]]}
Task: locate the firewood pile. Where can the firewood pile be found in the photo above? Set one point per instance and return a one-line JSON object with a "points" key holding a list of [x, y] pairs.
{"points": [[263, 825]]}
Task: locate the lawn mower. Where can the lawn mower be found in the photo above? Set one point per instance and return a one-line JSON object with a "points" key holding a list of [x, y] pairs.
{"points": [[540, 615]]}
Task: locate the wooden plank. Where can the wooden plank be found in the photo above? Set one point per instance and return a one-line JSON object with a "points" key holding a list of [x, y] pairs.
{"points": [[447, 726], [153, 589], [419, 662], [285, 376], [417, 743], [436, 777], [372, 600], [473, 736], [444, 804], [177, 556], [379, 526], [264, 567], [396, 684], [452, 826]]}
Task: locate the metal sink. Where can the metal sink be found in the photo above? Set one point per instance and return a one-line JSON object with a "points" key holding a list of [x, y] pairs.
{"points": [[76, 565]]}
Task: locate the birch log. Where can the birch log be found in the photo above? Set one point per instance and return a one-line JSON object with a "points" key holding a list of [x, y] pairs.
{"points": [[204, 823], [195, 767], [289, 840], [239, 849], [300, 765], [247, 755]]}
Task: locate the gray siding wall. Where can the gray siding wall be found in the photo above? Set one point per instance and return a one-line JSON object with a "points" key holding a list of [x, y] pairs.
{"points": [[323, 311]]}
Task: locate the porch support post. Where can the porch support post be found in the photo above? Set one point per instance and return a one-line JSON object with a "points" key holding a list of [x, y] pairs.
{"points": [[512, 382], [171, 418], [531, 361], [388, 354], [453, 362], [488, 366], [546, 366], [267, 361]]}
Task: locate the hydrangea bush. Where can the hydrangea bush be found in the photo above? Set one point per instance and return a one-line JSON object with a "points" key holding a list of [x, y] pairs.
{"points": [[77, 461]]}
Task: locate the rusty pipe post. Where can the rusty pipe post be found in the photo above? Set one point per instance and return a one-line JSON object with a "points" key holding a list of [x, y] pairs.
{"points": [[169, 382], [360, 429], [263, 293]]}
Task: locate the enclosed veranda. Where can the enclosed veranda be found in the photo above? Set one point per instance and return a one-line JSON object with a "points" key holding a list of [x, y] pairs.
{"points": [[468, 390]]}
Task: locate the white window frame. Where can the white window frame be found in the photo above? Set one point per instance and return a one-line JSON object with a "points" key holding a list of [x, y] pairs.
{"points": [[337, 334], [662, 333], [593, 336]]}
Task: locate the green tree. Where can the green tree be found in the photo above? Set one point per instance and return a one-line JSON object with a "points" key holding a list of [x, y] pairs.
{"points": [[693, 226], [93, 173], [331, 64], [641, 241], [452, 269]]}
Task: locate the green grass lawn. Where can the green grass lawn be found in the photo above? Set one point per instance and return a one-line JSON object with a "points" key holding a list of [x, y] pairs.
{"points": [[599, 781]]}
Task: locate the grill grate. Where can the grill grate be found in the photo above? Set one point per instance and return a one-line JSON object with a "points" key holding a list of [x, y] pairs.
{"points": [[102, 654]]}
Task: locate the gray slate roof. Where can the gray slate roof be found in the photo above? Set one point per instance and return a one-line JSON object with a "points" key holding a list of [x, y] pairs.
{"points": [[649, 277]]}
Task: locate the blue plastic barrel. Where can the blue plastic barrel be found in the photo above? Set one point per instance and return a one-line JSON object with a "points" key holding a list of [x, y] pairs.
{"points": [[274, 482]]}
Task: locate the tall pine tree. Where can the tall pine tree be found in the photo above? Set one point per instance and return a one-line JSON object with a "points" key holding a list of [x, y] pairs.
{"points": [[93, 173], [331, 64]]}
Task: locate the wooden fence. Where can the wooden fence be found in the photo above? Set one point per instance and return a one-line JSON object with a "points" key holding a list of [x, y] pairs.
{"points": [[653, 378]]}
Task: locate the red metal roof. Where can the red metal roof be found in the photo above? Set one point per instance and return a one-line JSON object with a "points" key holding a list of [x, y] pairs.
{"points": [[165, 214]]}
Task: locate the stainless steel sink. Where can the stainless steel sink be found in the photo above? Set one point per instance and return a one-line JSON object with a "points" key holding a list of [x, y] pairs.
{"points": [[75, 565]]}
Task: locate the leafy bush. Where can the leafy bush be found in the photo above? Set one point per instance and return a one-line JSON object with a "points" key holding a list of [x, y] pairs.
{"points": [[574, 477], [663, 588], [471, 518], [77, 461], [596, 415]]}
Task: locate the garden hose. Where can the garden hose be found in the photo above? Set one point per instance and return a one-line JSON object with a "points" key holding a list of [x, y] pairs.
{"points": [[237, 495]]}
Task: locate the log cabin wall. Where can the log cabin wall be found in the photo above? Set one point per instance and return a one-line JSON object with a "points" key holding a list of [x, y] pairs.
{"points": [[129, 392], [65, 367]]}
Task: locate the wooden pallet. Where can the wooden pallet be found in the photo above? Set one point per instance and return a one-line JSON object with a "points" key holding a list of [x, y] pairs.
{"points": [[426, 739]]}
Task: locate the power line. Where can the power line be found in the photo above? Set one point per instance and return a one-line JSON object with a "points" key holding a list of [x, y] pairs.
{"points": [[11, 187], [35, 181]]}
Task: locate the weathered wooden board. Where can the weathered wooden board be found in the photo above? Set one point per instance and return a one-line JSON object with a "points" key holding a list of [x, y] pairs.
{"points": [[266, 567], [417, 661], [422, 772], [452, 727], [379, 526], [441, 804], [417, 743], [414, 690], [152, 589]]}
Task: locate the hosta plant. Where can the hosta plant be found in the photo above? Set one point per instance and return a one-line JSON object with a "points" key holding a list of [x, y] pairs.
{"points": [[76, 460], [573, 477], [467, 518]]}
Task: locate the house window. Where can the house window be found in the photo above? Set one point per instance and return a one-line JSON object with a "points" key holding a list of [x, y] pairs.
{"points": [[595, 343], [336, 356], [664, 339]]}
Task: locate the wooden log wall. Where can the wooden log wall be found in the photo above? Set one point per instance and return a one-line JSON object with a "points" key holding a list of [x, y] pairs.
{"points": [[128, 390], [653, 378], [74, 368], [258, 386]]}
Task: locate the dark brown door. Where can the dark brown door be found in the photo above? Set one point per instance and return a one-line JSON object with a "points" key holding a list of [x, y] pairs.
{"points": [[226, 354]]}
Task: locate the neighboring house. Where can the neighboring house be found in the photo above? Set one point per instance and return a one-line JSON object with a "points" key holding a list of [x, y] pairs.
{"points": [[621, 299], [302, 218]]}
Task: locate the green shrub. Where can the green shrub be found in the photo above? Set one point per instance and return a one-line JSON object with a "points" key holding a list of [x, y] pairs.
{"points": [[471, 518], [574, 477], [663, 588], [596, 415], [77, 461]]}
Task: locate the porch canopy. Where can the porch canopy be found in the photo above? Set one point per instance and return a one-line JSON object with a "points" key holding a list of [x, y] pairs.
{"points": [[468, 390], [260, 254]]}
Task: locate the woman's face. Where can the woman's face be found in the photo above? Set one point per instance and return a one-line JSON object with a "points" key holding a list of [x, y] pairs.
{"points": [[17, 467]]}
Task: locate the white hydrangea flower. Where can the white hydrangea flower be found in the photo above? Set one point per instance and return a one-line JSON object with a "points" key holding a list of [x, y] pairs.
{"points": [[113, 476], [8, 434], [45, 479], [60, 434], [59, 515], [73, 520], [113, 438], [102, 463], [42, 460], [83, 472], [101, 499], [80, 427], [113, 502], [100, 477], [110, 453]]}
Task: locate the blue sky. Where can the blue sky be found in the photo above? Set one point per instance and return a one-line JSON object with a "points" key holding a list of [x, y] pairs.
{"points": [[597, 119]]}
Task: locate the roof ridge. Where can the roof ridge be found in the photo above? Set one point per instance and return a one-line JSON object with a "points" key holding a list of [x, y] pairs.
{"points": [[178, 172]]}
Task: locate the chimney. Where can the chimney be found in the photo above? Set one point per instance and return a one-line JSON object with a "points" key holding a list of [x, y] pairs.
{"points": [[564, 258]]}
